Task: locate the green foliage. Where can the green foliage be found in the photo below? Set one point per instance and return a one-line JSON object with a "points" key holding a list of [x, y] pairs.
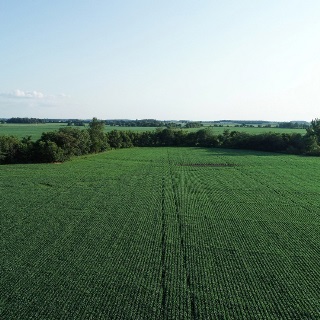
{"points": [[314, 129], [167, 137], [62, 145], [68, 142], [196, 124], [120, 139], [77, 123], [293, 125], [206, 138], [76, 141], [9, 149], [97, 136], [137, 123], [49, 151], [25, 120], [312, 138], [35, 130], [312, 147], [142, 233]]}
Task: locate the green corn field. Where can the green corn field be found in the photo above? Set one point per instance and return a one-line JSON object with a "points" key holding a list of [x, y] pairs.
{"points": [[161, 233]]}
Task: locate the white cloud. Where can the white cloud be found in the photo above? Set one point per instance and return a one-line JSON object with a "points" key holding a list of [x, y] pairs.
{"points": [[21, 94], [34, 103], [28, 94], [20, 103], [35, 95]]}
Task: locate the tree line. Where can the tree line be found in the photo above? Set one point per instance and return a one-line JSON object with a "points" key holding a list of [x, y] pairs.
{"points": [[25, 120], [293, 125], [136, 123], [61, 145]]}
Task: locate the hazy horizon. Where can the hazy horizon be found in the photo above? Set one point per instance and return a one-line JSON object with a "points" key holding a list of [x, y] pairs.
{"points": [[197, 60], [167, 120]]}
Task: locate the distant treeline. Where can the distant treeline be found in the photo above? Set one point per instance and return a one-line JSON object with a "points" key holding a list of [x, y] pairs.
{"points": [[293, 125], [153, 123], [136, 123], [25, 120], [61, 145], [167, 124], [195, 124], [253, 122], [75, 122]]}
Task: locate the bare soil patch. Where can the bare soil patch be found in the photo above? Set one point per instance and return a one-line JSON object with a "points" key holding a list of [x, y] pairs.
{"points": [[208, 164]]}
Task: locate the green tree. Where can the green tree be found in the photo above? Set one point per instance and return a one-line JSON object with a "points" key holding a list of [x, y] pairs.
{"points": [[115, 139], [49, 151], [62, 144], [9, 149], [312, 138], [314, 129], [97, 136], [78, 141], [206, 138]]}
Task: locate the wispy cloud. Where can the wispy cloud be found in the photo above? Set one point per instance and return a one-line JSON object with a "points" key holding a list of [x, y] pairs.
{"points": [[36, 95], [35, 103], [21, 94]]}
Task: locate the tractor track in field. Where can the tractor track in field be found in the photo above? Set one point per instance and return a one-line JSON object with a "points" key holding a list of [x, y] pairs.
{"points": [[163, 252], [182, 242]]}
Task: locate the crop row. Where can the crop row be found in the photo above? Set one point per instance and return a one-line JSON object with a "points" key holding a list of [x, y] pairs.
{"points": [[135, 234]]}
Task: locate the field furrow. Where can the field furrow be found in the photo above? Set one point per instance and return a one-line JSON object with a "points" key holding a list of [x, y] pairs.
{"points": [[161, 233]]}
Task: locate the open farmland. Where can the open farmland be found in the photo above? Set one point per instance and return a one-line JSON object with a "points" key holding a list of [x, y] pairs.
{"points": [[251, 130], [35, 130], [162, 233], [25, 130]]}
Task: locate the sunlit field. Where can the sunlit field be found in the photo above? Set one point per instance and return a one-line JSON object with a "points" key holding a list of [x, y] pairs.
{"points": [[35, 130], [161, 233]]}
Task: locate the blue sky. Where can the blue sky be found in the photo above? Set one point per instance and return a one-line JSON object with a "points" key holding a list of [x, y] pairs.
{"points": [[199, 60]]}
